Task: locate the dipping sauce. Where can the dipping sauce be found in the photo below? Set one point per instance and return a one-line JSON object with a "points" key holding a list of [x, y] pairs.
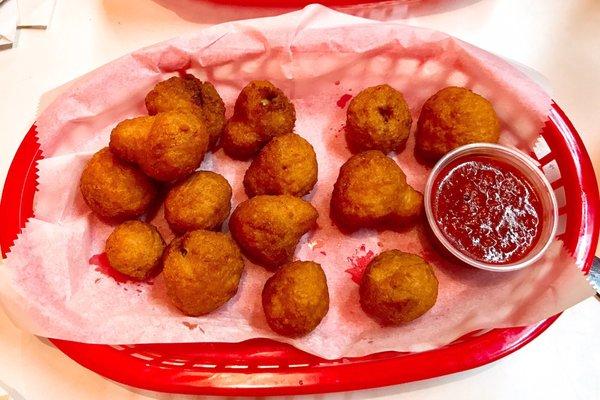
{"points": [[487, 209]]}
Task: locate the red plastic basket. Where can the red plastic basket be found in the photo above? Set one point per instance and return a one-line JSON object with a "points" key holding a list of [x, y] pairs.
{"points": [[266, 367]]}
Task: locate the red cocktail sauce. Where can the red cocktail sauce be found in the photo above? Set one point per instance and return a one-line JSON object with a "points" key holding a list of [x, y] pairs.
{"points": [[487, 209]]}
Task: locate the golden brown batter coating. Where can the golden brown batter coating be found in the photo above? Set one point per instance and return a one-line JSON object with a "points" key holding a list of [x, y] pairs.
{"points": [[268, 228], [202, 271], [371, 192], [267, 107], [454, 117], [135, 248], [295, 299], [175, 146], [114, 189], [265, 111], [128, 138], [240, 140], [378, 118], [201, 201], [398, 287], [188, 93], [286, 165]]}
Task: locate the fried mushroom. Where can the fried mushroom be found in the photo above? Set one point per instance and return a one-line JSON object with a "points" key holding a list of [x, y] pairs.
{"points": [[128, 138], [262, 111], [454, 117], [378, 118], [268, 228], [114, 189], [398, 287], [188, 93], [371, 192], [135, 248], [201, 201], [295, 299], [286, 165], [175, 146], [202, 271]]}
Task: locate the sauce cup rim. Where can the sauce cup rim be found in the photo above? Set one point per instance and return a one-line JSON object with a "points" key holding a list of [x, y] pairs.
{"points": [[491, 150]]}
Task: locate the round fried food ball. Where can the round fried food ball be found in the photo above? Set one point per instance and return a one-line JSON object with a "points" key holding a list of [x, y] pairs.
{"points": [[128, 138], [113, 189], [201, 201], [240, 140], [202, 271], [267, 107], [261, 112], [378, 118], [135, 248], [295, 299], [268, 228], [398, 287], [188, 93], [371, 192], [454, 117], [286, 165], [175, 147]]}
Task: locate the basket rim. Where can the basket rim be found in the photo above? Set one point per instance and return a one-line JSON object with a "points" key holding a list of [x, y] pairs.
{"points": [[17, 203]]}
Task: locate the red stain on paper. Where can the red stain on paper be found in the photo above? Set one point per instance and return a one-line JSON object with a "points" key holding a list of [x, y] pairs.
{"points": [[104, 267], [341, 103], [359, 264]]}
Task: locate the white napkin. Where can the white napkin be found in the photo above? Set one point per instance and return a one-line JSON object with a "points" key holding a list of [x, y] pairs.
{"points": [[35, 13], [8, 23]]}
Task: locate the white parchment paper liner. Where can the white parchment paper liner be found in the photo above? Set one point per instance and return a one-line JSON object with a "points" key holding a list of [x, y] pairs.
{"points": [[316, 55]]}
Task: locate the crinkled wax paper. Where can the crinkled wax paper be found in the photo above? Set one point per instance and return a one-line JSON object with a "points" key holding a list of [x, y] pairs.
{"points": [[319, 58]]}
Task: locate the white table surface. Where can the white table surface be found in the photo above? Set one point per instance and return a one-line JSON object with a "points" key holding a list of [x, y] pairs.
{"points": [[559, 38]]}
